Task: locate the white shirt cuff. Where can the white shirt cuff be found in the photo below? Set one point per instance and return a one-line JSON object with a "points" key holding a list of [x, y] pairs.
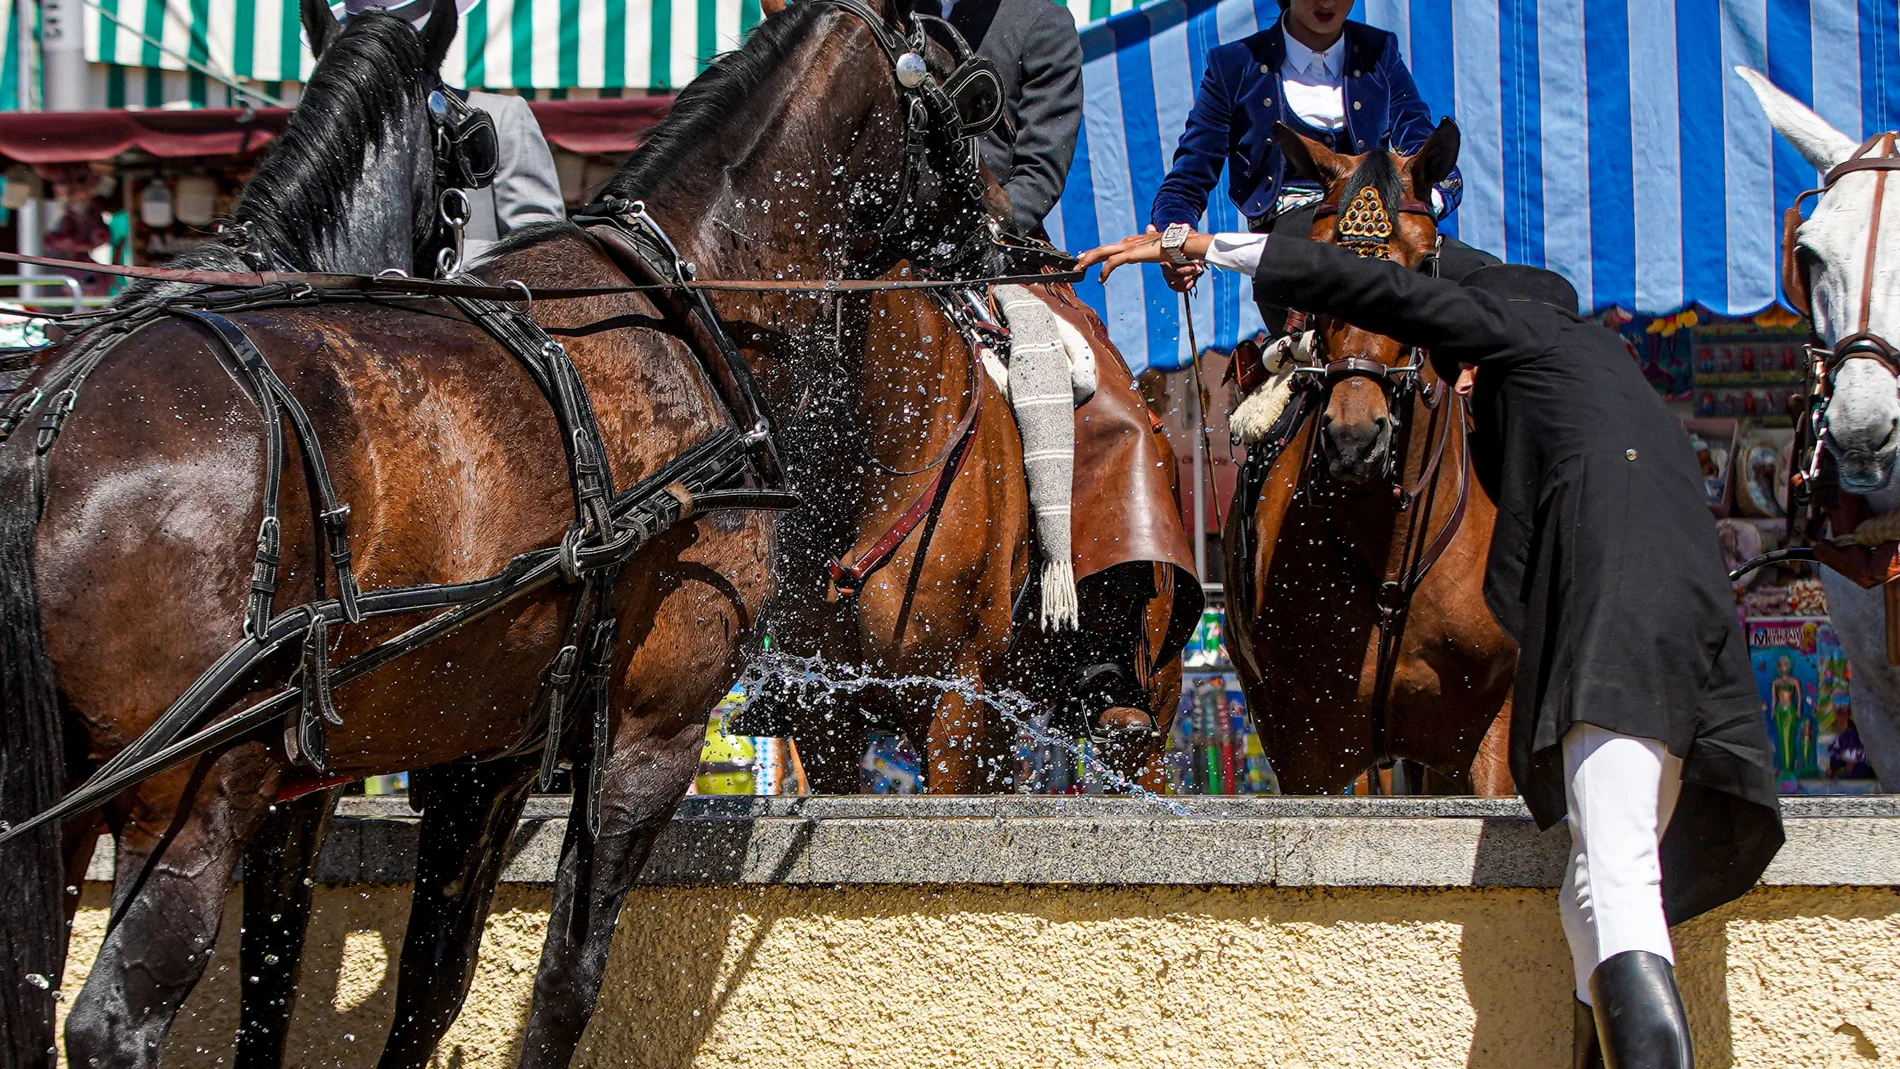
{"points": [[1438, 203], [1237, 252]]}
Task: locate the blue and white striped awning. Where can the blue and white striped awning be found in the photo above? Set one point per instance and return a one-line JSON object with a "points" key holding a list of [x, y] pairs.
{"points": [[1605, 139]]}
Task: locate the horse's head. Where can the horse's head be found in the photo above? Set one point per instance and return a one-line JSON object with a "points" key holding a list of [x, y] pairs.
{"points": [[1376, 207], [1844, 265], [354, 183], [933, 207], [846, 116]]}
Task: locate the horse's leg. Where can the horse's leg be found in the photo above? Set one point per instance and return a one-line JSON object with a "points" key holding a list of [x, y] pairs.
{"points": [[1491, 769], [179, 841], [645, 781], [279, 869], [469, 812], [966, 748]]}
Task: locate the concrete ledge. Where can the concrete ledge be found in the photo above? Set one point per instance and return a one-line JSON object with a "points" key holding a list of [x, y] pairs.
{"points": [[1092, 841]]}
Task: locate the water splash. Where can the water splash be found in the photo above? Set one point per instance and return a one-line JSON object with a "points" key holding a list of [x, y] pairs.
{"points": [[814, 675]]}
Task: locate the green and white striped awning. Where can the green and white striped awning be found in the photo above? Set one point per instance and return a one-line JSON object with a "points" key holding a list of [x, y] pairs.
{"points": [[555, 48]]}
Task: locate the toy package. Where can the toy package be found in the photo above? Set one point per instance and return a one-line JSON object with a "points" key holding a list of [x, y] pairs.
{"points": [[1805, 683], [1204, 644]]}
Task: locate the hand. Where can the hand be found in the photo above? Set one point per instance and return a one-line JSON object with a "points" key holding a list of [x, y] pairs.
{"points": [[1143, 249], [1467, 378], [1182, 279]]}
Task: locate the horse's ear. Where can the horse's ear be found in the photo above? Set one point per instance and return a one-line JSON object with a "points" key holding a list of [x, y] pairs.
{"points": [[1819, 143], [320, 25], [1433, 161], [439, 33], [1308, 158], [771, 7]]}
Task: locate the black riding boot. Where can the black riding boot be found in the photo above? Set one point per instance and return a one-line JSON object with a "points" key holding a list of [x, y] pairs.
{"points": [[1585, 1051], [1639, 1013]]}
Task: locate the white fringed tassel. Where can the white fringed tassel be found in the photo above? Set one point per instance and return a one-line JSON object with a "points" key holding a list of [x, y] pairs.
{"points": [[1042, 395], [1060, 605]]}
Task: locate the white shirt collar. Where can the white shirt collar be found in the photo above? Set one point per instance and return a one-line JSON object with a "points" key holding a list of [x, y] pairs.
{"points": [[1302, 59]]}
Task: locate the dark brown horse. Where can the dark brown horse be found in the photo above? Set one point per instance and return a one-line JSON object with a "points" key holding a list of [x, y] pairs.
{"points": [[874, 415], [451, 465], [1359, 627]]}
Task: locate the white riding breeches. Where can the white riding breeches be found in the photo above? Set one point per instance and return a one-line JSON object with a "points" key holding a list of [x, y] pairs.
{"points": [[1621, 791]]}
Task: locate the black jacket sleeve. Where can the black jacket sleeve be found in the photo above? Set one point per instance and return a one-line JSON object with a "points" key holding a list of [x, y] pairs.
{"points": [[1458, 325], [1048, 118]]}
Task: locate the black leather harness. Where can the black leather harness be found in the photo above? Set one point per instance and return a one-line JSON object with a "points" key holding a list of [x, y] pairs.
{"points": [[734, 467]]}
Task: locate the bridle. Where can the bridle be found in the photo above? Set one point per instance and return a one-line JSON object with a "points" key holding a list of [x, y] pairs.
{"points": [[967, 103], [467, 156], [1881, 155], [1366, 228]]}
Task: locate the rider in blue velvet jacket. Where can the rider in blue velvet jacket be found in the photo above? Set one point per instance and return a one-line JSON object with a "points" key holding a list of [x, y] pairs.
{"points": [[1241, 98]]}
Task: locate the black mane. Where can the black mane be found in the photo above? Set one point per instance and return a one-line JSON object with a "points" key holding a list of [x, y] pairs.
{"points": [[351, 104], [370, 77], [1375, 170], [705, 107]]}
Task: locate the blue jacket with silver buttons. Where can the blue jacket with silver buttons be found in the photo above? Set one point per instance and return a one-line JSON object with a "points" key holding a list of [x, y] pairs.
{"points": [[1240, 99]]}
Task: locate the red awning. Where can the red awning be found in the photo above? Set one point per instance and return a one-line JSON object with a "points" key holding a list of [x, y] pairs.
{"points": [[585, 126]]}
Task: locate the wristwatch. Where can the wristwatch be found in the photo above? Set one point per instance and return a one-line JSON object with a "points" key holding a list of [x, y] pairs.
{"points": [[1172, 241]]}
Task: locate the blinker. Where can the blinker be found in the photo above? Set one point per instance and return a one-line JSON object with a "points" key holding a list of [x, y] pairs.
{"points": [[467, 151]]}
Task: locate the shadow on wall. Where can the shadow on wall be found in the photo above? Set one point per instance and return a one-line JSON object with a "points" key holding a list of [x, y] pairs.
{"points": [[768, 977]]}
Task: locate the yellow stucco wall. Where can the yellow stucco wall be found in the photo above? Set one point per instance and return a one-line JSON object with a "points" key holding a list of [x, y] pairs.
{"points": [[1150, 977]]}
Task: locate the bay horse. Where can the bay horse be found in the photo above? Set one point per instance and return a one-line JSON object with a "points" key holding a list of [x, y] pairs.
{"points": [[1841, 267], [871, 426], [436, 441], [1359, 536]]}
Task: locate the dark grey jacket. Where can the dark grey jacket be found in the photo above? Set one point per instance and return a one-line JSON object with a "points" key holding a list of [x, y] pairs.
{"points": [[1036, 49]]}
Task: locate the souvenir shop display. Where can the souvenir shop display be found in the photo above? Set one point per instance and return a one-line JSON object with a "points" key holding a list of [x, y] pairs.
{"points": [[1743, 371], [1213, 748], [746, 764], [891, 766], [1714, 443], [1804, 680]]}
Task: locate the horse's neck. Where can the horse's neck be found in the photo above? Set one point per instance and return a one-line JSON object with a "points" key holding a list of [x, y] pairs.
{"points": [[376, 228]]}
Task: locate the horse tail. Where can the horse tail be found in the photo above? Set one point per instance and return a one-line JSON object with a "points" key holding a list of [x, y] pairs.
{"points": [[32, 777]]}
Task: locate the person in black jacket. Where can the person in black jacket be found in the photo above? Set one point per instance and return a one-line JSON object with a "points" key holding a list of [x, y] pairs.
{"points": [[1636, 717]]}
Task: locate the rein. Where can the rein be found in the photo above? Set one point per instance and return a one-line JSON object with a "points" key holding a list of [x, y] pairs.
{"points": [[397, 284]]}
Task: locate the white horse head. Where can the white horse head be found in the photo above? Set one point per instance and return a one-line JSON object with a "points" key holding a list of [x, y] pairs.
{"points": [[1863, 417]]}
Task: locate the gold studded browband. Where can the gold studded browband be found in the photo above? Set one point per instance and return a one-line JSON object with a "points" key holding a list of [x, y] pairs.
{"points": [[1365, 226]]}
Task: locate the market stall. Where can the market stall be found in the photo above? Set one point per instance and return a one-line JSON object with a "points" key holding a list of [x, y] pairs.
{"points": [[141, 187]]}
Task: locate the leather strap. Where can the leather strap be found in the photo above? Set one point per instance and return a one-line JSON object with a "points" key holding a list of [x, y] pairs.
{"points": [[270, 395], [404, 285], [848, 580], [1407, 206]]}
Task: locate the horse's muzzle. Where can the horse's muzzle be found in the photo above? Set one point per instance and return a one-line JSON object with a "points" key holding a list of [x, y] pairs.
{"points": [[1355, 451], [1864, 472]]}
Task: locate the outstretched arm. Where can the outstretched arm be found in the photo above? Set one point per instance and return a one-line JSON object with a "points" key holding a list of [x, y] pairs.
{"points": [[1458, 325]]}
